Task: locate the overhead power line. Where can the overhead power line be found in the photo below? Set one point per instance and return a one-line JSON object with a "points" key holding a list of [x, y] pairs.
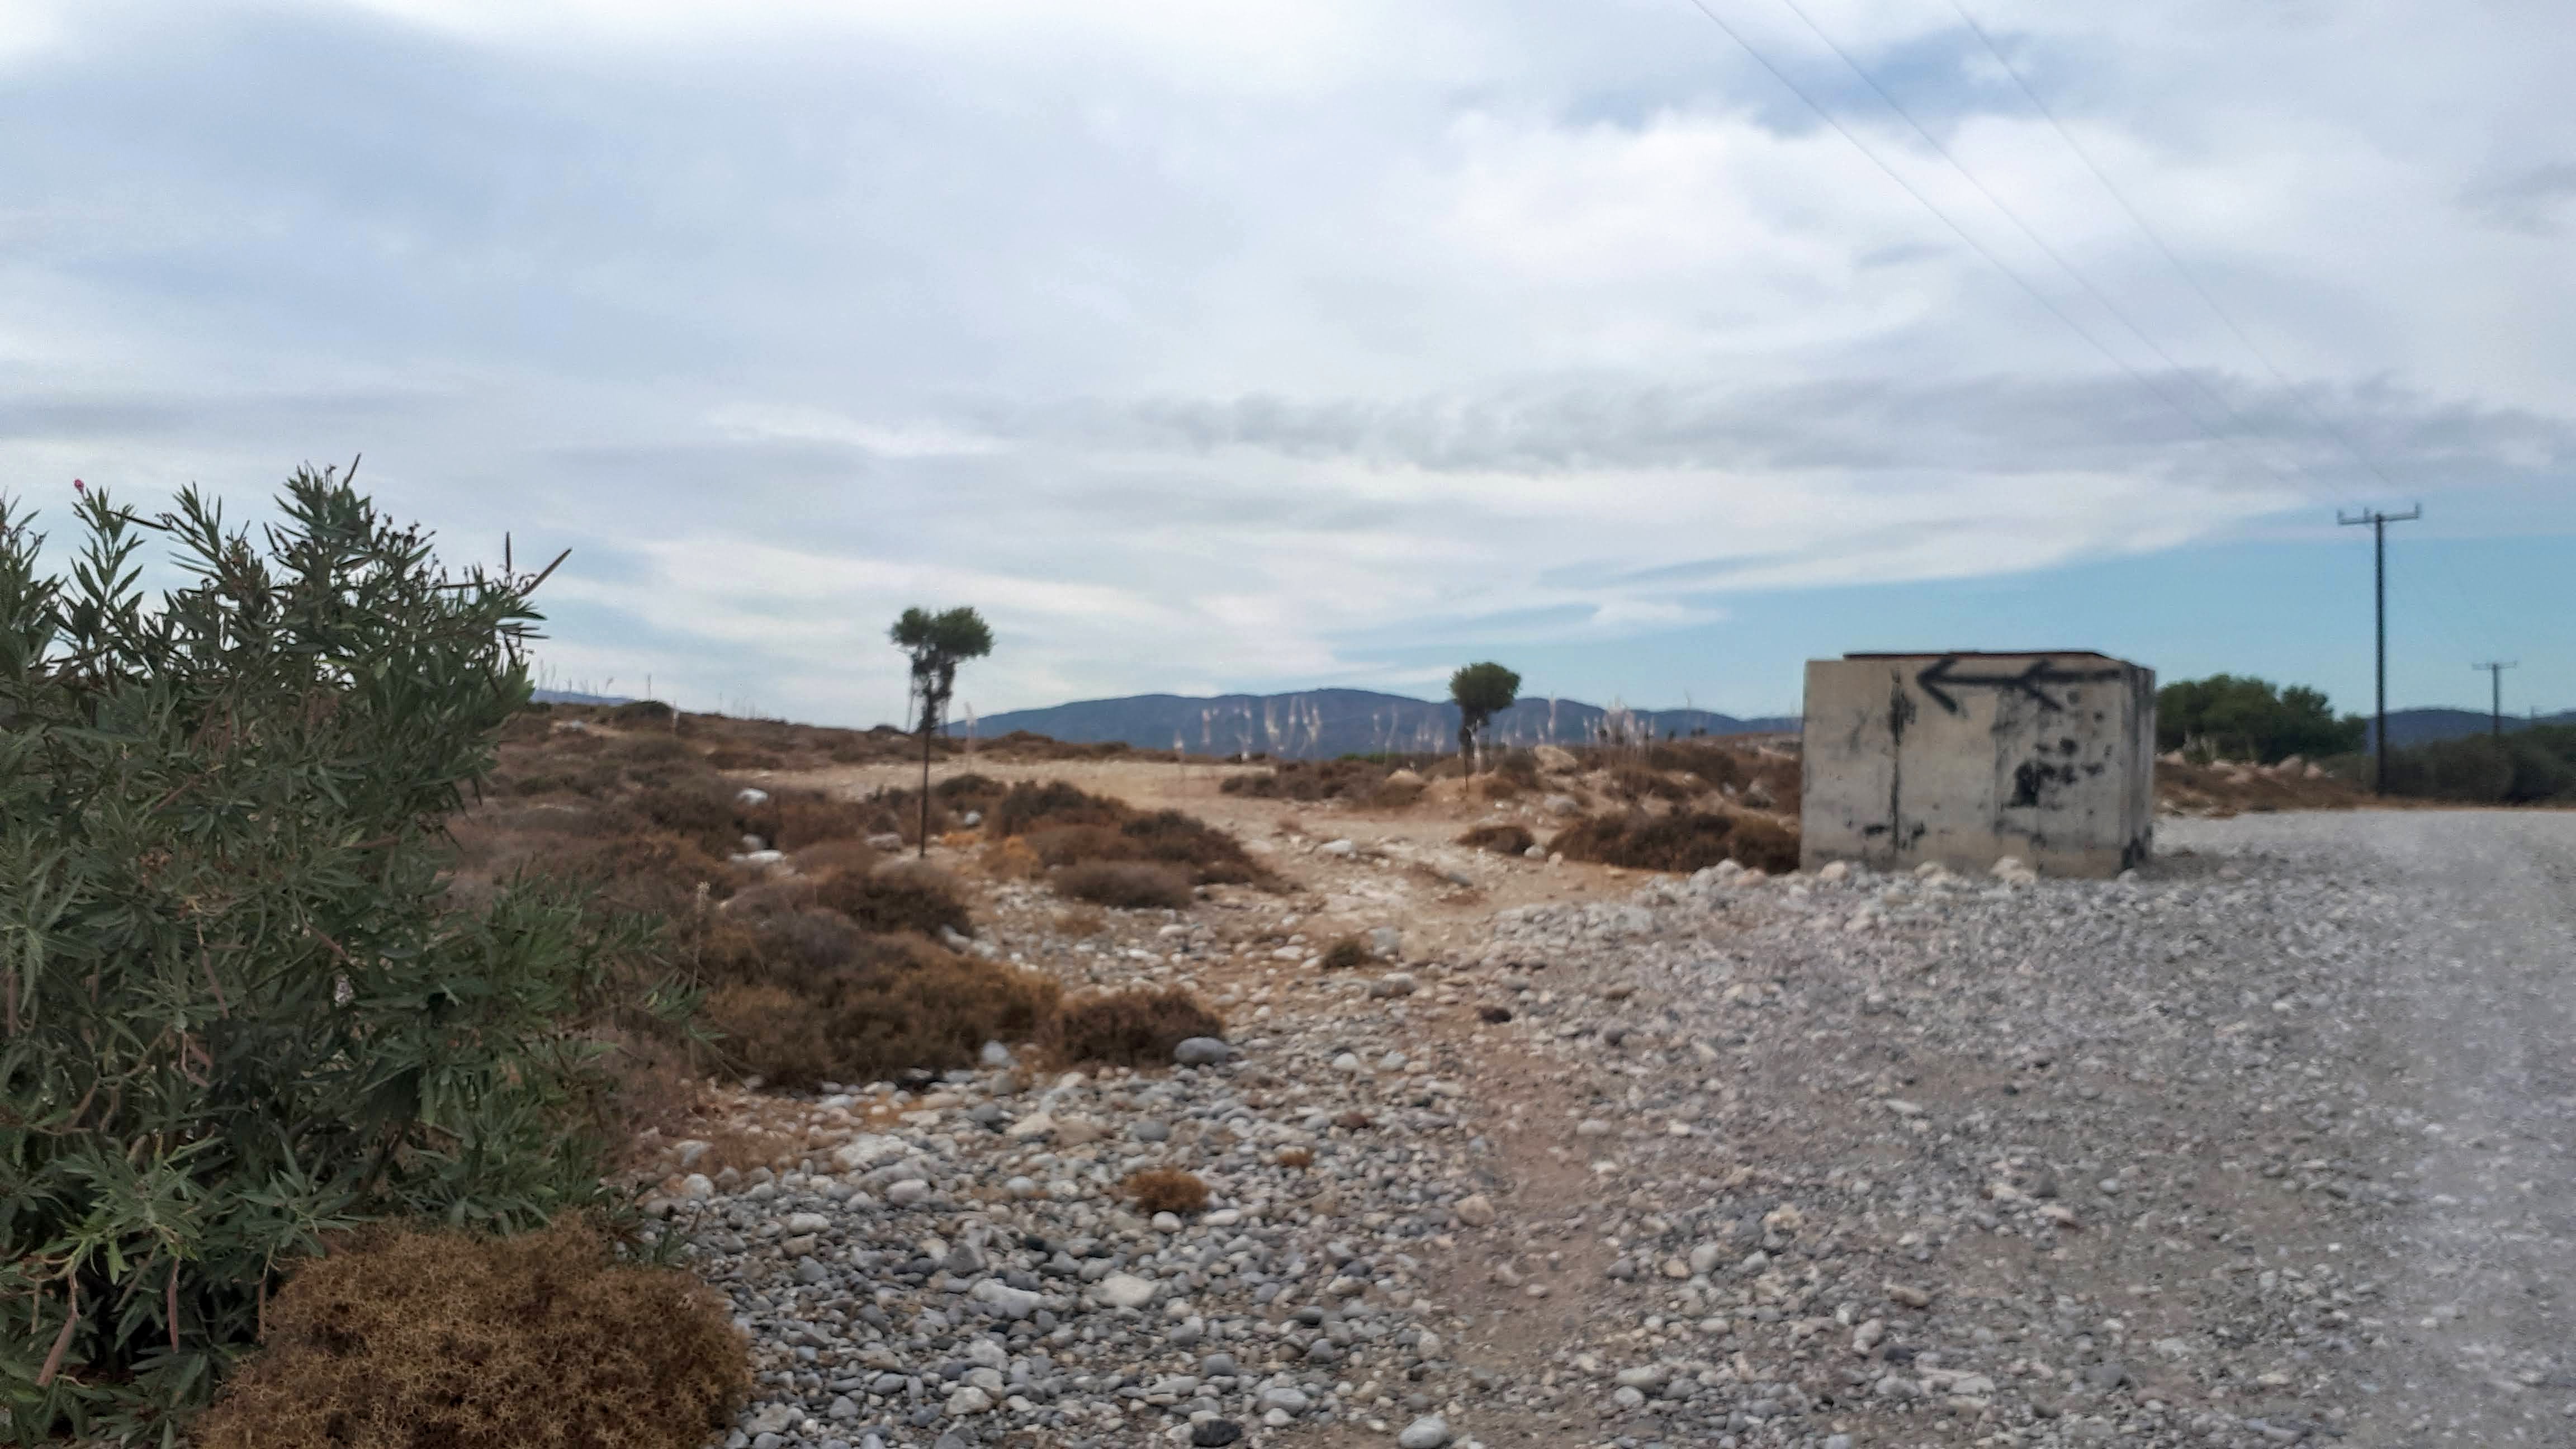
{"points": [[2135, 373], [1964, 235], [2024, 227], [2172, 258], [2476, 612]]}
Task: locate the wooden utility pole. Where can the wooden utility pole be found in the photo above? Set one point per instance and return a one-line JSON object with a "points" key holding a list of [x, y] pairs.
{"points": [[2379, 583], [2495, 669]]}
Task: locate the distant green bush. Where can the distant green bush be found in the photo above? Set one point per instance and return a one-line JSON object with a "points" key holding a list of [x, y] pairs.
{"points": [[238, 1009], [2530, 766], [2233, 718]]}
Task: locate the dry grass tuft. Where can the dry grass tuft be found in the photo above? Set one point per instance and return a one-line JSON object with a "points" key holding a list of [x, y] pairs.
{"points": [[1167, 1190], [809, 997], [1681, 841], [1347, 954], [1500, 839], [1130, 1028], [800, 819], [1029, 807], [837, 856], [1313, 780], [419, 1340], [1065, 827], [909, 895], [1295, 1157], [1080, 923], [1125, 885]]}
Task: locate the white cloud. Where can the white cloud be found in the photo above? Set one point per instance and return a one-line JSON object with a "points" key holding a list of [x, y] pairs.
{"points": [[1274, 342], [756, 423]]}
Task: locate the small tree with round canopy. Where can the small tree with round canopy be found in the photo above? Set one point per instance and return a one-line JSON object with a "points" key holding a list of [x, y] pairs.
{"points": [[938, 643], [1481, 691]]}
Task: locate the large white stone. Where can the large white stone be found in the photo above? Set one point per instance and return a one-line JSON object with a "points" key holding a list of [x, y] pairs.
{"points": [[1125, 1290]]}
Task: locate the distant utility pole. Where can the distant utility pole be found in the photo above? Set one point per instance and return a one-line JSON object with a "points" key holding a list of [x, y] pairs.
{"points": [[2495, 710], [2379, 522]]}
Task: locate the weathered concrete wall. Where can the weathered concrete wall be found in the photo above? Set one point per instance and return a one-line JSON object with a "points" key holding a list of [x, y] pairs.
{"points": [[1967, 758]]}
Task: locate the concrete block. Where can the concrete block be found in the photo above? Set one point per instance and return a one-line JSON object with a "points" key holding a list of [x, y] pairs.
{"points": [[1964, 759]]}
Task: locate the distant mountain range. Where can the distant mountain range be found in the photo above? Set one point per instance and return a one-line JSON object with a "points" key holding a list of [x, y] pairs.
{"points": [[2425, 726], [1324, 723], [575, 696]]}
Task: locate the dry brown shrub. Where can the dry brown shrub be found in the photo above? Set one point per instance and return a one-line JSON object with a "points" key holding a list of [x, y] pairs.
{"points": [[798, 819], [1211, 856], [1063, 837], [1764, 845], [1295, 1157], [1030, 807], [1396, 794], [969, 792], [1684, 841], [2229, 789], [1123, 885], [784, 895], [1635, 783], [1347, 954], [1311, 780], [739, 757], [1074, 844], [654, 871], [1782, 782], [802, 999], [836, 855], [701, 810], [906, 896], [1080, 923], [1167, 1190], [1135, 1028], [898, 812], [1012, 859], [1500, 839], [773, 1033], [437, 1340], [1711, 758]]}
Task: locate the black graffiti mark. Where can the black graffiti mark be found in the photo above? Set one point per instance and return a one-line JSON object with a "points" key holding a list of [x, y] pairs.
{"points": [[1944, 672], [1900, 713]]}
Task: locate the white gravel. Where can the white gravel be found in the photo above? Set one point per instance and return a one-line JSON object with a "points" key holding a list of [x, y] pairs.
{"points": [[2268, 1145]]}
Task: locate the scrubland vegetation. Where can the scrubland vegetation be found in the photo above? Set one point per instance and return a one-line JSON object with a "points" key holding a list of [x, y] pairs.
{"points": [[243, 1012], [320, 936]]}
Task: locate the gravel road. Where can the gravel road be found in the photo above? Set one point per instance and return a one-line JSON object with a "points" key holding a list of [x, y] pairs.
{"points": [[2266, 1145], [2472, 996]]}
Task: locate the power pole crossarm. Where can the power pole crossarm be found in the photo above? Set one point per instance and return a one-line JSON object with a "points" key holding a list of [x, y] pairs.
{"points": [[2379, 522]]}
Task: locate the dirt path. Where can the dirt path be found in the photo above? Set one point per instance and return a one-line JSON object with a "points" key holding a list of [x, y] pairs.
{"points": [[2271, 1146]]}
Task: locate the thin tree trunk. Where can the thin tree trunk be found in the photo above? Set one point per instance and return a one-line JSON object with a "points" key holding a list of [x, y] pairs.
{"points": [[925, 787], [1467, 747]]}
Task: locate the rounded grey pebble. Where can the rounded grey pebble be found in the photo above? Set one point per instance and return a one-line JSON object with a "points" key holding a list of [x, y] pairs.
{"points": [[1203, 1051], [1428, 1432]]}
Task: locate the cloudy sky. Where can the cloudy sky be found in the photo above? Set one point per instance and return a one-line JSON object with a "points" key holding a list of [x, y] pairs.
{"points": [[1260, 344]]}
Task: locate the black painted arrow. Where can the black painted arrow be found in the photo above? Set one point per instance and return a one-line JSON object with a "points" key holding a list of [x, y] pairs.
{"points": [[1944, 671]]}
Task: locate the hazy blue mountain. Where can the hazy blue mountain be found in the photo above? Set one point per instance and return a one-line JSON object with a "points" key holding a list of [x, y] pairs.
{"points": [[1322, 723], [2425, 726], [574, 696]]}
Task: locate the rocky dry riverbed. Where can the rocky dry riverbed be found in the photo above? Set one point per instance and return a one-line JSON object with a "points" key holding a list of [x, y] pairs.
{"points": [[1829, 1161]]}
